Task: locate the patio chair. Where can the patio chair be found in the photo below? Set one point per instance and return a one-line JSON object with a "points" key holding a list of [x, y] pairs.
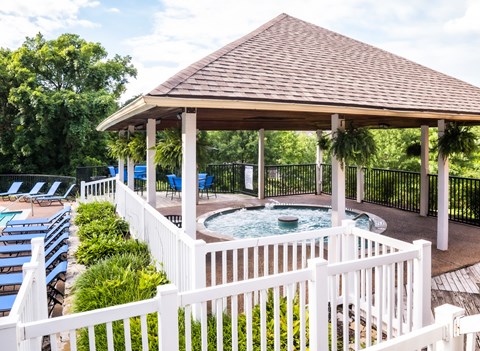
{"points": [[40, 221], [12, 190], [48, 200], [51, 192], [111, 171], [53, 252], [177, 185], [56, 274], [208, 184], [54, 231], [171, 184], [34, 191], [31, 229], [25, 248]]}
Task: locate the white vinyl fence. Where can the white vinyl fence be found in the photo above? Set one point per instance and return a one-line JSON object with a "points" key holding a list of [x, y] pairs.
{"points": [[98, 190]]}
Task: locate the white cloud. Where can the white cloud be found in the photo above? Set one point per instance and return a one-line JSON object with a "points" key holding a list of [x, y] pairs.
{"points": [[19, 19], [469, 22], [113, 10]]}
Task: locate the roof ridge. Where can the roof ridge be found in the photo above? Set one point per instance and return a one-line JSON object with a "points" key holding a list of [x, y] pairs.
{"points": [[192, 69]]}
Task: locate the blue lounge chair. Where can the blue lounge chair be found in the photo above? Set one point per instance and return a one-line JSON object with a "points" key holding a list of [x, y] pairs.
{"points": [[48, 200], [51, 192], [34, 191], [9, 263], [14, 188], [6, 303], [22, 248], [31, 229], [54, 231], [56, 275], [40, 221]]}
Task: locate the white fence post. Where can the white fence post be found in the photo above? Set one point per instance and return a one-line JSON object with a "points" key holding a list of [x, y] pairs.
{"points": [[422, 283], [82, 191], [9, 334], [198, 272], [448, 315], [40, 283], [318, 304], [167, 296]]}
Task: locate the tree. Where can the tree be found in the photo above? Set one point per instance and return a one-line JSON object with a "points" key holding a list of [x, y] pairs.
{"points": [[61, 90]]}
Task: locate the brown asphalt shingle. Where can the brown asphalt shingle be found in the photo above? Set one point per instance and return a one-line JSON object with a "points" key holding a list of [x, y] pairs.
{"points": [[290, 60]]}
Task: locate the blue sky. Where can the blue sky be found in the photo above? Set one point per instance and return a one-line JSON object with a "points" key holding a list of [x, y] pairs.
{"points": [[165, 36]]}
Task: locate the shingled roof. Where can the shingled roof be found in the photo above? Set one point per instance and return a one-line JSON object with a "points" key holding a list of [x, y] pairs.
{"points": [[290, 74]]}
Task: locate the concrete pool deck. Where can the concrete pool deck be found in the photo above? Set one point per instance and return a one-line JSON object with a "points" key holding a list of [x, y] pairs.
{"points": [[464, 240]]}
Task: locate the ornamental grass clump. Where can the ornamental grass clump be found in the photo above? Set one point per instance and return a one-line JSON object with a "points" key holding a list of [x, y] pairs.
{"points": [[113, 281], [88, 212]]}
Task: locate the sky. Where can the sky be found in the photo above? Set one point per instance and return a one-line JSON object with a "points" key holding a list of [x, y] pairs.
{"points": [[165, 36]]}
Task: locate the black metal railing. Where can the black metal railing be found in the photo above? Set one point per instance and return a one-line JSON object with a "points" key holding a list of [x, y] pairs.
{"points": [[398, 189], [290, 180], [464, 200]]}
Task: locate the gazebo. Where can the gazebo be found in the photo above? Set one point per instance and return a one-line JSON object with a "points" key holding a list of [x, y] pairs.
{"points": [[292, 75]]}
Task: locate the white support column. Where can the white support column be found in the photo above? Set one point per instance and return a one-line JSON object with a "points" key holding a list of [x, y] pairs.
{"points": [[189, 172], [442, 218], [360, 184], [261, 164], [151, 174], [319, 176], [130, 165], [424, 171], [338, 180]]}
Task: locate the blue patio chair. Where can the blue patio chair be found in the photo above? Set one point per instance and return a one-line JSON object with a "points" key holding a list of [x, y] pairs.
{"points": [[40, 221], [14, 188], [177, 183], [207, 185], [171, 184], [56, 250], [54, 231], [30, 229], [48, 200], [57, 274], [140, 172], [112, 171], [25, 248], [34, 191], [51, 192]]}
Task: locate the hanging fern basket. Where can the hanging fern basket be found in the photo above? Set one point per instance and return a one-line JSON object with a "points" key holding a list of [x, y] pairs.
{"points": [[457, 140], [354, 146]]}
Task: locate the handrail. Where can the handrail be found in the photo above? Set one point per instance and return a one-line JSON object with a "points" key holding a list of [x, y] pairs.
{"points": [[371, 222], [17, 200]]}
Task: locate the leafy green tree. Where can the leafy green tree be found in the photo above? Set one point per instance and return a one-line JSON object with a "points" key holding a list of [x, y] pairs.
{"points": [[233, 146], [61, 90]]}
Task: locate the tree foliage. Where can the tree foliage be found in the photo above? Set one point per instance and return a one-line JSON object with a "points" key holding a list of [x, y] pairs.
{"points": [[54, 94]]}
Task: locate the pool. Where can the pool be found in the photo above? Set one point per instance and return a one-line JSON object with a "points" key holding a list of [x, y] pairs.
{"points": [[259, 221], [6, 216]]}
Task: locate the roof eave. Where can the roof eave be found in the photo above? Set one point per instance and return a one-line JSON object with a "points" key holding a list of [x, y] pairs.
{"points": [[134, 108], [163, 101]]}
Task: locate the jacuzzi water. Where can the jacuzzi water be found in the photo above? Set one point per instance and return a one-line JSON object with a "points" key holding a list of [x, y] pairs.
{"points": [[262, 221]]}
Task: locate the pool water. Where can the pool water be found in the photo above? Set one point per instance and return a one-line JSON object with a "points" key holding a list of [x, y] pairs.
{"points": [[6, 216], [262, 221]]}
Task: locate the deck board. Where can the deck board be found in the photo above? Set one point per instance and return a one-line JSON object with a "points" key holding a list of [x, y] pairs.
{"points": [[459, 288]]}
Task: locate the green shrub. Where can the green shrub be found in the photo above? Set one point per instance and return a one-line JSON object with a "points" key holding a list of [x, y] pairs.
{"points": [[99, 247], [108, 227], [87, 212], [113, 281]]}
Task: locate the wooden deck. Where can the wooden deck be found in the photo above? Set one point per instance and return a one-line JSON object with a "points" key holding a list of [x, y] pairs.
{"points": [[459, 288]]}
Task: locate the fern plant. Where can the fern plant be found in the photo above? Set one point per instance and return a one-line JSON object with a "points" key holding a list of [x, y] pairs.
{"points": [[354, 146], [457, 140]]}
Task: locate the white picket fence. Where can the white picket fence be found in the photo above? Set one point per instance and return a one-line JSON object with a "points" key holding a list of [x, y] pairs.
{"points": [[376, 286], [98, 190]]}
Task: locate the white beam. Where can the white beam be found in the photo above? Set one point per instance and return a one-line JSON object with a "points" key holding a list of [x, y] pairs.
{"points": [[360, 184], [121, 162], [151, 174], [189, 172], [424, 171], [319, 159], [261, 164], [130, 165], [442, 218], [338, 180]]}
